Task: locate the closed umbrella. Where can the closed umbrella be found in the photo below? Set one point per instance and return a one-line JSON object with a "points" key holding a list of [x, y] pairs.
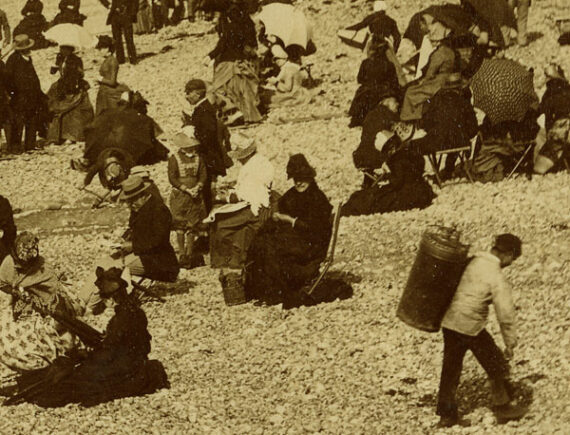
{"points": [[504, 90], [287, 23], [72, 35]]}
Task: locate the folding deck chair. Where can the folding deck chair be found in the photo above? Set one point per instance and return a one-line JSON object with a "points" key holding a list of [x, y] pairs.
{"points": [[328, 261], [465, 155]]}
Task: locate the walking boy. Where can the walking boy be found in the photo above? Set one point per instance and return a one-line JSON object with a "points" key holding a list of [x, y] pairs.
{"points": [[463, 328]]}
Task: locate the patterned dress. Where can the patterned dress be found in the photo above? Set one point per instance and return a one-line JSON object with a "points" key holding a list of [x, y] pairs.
{"points": [[29, 340]]}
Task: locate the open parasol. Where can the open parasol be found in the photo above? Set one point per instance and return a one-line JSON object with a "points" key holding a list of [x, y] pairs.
{"points": [[504, 90], [287, 23], [72, 35]]}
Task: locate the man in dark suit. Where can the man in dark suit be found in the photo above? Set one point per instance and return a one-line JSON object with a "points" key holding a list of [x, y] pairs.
{"points": [[209, 131], [26, 97], [122, 15]]}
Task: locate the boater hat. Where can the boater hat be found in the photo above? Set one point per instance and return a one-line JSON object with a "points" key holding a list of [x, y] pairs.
{"points": [[132, 187], [245, 146], [22, 42], [186, 138]]}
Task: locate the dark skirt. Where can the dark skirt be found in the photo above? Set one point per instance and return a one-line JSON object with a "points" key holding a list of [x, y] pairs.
{"points": [[70, 116], [281, 261], [387, 199], [108, 97], [91, 384], [365, 99]]}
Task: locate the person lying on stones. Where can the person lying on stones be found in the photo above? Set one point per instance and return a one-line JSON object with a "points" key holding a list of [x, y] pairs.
{"points": [[118, 367]]}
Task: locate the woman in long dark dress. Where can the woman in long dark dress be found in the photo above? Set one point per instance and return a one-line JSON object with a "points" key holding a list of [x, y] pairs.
{"points": [[68, 99], [406, 190], [118, 368], [287, 251], [378, 79]]}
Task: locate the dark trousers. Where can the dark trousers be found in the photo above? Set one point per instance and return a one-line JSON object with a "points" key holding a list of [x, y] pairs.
{"points": [[120, 28], [455, 345], [22, 123]]}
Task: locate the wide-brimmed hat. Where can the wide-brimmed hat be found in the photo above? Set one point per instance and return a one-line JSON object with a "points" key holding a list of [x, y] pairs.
{"points": [[186, 138], [22, 42], [244, 146], [132, 187], [140, 171], [455, 81], [298, 168]]}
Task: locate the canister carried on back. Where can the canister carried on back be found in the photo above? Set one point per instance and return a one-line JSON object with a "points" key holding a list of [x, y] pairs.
{"points": [[434, 278]]}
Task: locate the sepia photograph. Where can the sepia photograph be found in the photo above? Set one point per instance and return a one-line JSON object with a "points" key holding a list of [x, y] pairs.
{"points": [[284, 217]]}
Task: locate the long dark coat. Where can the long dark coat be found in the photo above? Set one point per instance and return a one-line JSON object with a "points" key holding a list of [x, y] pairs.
{"points": [[205, 121], [285, 257], [449, 120], [150, 234], [24, 86], [121, 11], [406, 190]]}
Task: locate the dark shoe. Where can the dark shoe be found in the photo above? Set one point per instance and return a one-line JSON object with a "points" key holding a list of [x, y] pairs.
{"points": [[506, 413], [447, 422]]}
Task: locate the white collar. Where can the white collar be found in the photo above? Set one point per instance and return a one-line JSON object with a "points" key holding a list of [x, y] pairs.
{"points": [[489, 256]]}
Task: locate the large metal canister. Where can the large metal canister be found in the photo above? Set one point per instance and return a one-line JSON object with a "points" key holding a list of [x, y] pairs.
{"points": [[434, 278]]}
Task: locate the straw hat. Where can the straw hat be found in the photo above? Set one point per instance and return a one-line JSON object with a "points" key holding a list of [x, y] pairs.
{"points": [[245, 146], [22, 42], [186, 138], [132, 187]]}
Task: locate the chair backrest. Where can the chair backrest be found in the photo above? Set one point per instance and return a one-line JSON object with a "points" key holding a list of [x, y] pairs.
{"points": [[334, 236]]}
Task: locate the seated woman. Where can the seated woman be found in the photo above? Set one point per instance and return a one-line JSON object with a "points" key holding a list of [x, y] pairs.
{"points": [[119, 367], [376, 129], [29, 291], [503, 144], [110, 90], [234, 225], [554, 155], [288, 84], [69, 13], [287, 251], [378, 80], [33, 24], [407, 189], [442, 62], [68, 99]]}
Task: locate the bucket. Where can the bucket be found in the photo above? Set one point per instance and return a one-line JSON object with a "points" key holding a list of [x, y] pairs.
{"points": [[233, 288], [433, 279]]}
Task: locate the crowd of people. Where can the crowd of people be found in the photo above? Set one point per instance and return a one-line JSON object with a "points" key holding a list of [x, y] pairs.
{"points": [[267, 247]]}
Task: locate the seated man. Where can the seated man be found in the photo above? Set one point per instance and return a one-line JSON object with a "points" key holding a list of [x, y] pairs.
{"points": [[146, 250], [118, 367], [29, 292]]}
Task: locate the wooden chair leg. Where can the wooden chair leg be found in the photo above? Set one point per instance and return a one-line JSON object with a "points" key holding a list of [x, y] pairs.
{"points": [[435, 167], [466, 168]]}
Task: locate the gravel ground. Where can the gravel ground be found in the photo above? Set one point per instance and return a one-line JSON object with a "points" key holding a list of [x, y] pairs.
{"points": [[345, 367]]}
